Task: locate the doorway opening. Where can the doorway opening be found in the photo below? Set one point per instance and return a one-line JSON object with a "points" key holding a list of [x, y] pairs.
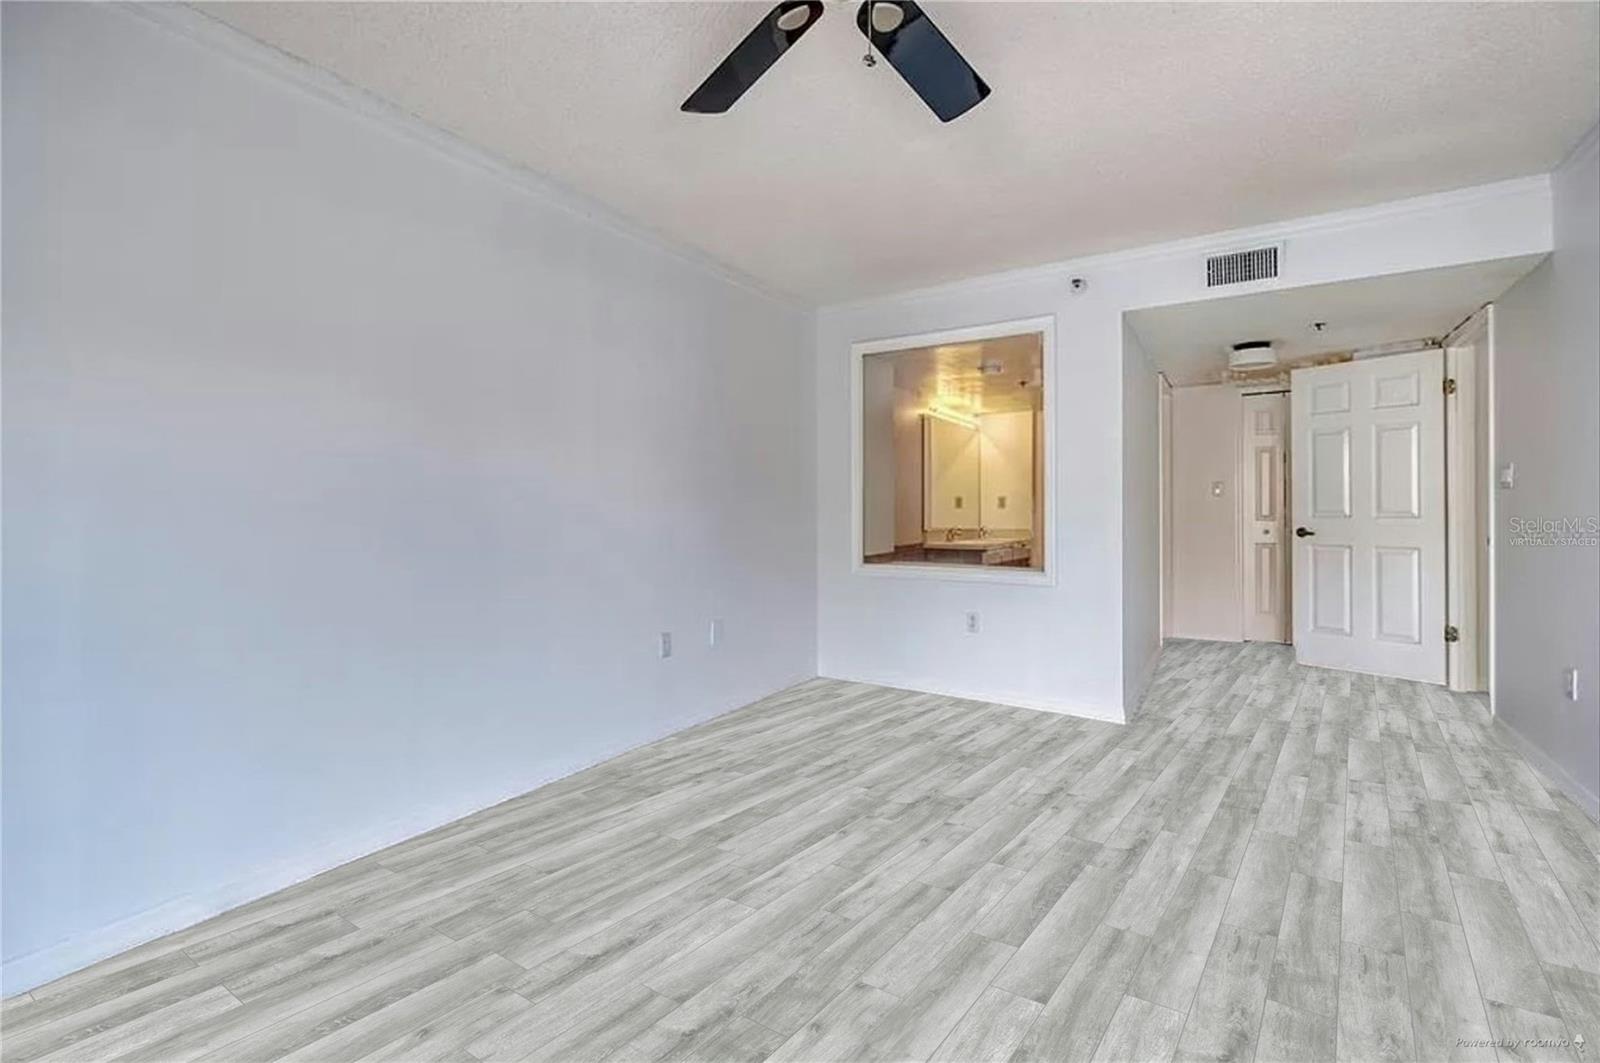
{"points": [[952, 448], [1332, 488]]}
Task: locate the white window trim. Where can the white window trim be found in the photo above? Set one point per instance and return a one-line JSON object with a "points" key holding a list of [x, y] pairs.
{"points": [[1046, 577]]}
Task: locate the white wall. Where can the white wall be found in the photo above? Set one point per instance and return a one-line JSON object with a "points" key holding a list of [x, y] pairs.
{"points": [[908, 512], [348, 481], [1059, 645], [1205, 527], [1141, 520], [1547, 421], [879, 456]]}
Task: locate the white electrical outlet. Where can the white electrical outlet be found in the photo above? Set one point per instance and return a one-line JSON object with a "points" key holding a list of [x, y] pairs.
{"points": [[666, 645], [714, 634], [1570, 682], [974, 623]]}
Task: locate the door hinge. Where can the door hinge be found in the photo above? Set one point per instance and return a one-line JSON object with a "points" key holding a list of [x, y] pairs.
{"points": [[1451, 634], [1449, 385]]}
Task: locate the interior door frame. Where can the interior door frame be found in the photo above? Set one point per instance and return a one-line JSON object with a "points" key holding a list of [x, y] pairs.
{"points": [[1469, 514], [1164, 475]]}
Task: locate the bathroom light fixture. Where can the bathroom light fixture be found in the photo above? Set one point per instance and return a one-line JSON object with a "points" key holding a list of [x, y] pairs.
{"points": [[951, 416], [1252, 354]]}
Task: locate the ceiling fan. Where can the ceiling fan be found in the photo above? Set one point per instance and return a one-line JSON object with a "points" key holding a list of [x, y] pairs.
{"points": [[899, 29]]}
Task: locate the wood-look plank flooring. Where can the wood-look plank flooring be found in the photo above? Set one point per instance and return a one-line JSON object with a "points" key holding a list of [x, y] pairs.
{"points": [[1270, 863]]}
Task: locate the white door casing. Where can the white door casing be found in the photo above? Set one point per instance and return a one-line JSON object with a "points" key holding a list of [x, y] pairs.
{"points": [[1368, 489], [1468, 495], [1264, 437]]}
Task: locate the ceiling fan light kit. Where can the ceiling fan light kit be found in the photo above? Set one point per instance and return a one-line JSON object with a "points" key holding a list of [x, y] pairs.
{"points": [[899, 30]]}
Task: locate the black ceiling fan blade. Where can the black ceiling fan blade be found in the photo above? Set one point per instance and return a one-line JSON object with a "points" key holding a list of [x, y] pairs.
{"points": [[924, 56], [762, 47]]}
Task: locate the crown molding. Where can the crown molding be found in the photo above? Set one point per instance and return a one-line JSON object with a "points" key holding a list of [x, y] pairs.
{"points": [[220, 38]]}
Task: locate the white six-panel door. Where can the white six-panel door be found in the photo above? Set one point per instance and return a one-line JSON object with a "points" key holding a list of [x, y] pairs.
{"points": [[1368, 514]]}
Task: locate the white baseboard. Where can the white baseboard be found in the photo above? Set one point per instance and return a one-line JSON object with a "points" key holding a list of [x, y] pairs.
{"points": [[22, 973], [79, 951], [1586, 799], [1107, 714], [1206, 636]]}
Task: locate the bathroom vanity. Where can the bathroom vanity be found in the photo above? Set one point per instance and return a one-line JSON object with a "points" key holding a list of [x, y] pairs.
{"points": [[992, 550]]}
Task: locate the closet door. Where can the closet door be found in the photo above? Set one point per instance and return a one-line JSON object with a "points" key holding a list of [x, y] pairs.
{"points": [[1266, 526]]}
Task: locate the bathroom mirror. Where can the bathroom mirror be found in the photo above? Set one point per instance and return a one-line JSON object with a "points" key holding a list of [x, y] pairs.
{"points": [[952, 489]]}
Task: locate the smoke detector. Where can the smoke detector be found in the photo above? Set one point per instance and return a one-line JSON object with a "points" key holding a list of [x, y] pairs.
{"points": [[1252, 354]]}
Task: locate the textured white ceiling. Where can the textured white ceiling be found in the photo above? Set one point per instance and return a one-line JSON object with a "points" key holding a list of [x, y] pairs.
{"points": [[1110, 126], [1189, 342]]}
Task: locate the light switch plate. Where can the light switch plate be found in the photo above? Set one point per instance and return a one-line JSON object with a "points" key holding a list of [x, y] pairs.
{"points": [[1508, 475], [666, 645]]}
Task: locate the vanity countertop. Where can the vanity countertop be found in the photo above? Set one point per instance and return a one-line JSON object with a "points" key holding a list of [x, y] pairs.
{"points": [[973, 544]]}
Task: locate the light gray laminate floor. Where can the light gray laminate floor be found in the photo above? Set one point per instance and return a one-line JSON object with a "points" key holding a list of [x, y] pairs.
{"points": [[1270, 862]]}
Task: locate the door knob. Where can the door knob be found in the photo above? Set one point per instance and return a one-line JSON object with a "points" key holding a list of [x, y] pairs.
{"points": [[1303, 532]]}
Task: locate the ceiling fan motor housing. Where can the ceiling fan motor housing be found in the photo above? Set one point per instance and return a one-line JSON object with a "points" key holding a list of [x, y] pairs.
{"points": [[898, 30]]}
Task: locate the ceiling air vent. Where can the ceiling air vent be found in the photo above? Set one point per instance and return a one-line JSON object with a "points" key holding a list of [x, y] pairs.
{"points": [[1240, 267]]}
